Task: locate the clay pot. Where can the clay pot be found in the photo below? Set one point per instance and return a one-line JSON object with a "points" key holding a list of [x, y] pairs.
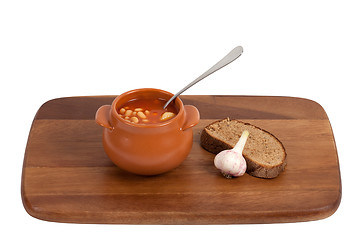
{"points": [[147, 149]]}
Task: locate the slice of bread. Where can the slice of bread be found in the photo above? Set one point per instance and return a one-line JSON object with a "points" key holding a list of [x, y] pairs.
{"points": [[264, 154]]}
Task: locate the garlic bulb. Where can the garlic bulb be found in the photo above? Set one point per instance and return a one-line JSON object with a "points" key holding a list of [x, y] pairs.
{"points": [[231, 162]]}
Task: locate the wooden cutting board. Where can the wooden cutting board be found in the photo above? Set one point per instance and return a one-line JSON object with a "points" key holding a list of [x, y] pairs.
{"points": [[67, 177]]}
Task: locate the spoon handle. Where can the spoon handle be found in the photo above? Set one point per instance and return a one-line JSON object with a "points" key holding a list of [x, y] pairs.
{"points": [[231, 56]]}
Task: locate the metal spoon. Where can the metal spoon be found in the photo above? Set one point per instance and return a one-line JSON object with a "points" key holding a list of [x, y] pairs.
{"points": [[231, 56]]}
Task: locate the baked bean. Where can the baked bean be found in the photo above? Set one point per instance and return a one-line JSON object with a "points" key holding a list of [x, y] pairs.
{"points": [[141, 115], [122, 110], [128, 113], [166, 116], [147, 112], [138, 110], [134, 119]]}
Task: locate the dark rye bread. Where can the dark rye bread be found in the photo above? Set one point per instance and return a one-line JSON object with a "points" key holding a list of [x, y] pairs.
{"points": [[264, 154]]}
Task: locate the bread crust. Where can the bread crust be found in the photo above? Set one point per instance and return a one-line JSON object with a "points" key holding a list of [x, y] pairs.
{"points": [[256, 169]]}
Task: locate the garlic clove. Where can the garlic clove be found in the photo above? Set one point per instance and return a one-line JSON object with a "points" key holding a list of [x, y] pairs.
{"points": [[231, 163]]}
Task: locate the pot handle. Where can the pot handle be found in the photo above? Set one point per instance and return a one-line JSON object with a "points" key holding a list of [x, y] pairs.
{"points": [[192, 117], [102, 117]]}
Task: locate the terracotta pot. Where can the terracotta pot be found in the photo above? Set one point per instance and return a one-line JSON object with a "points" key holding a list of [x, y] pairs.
{"points": [[147, 149]]}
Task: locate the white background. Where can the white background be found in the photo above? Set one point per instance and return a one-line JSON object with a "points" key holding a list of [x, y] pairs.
{"points": [[50, 49]]}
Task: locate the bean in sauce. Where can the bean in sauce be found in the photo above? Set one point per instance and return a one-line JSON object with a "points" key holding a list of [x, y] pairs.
{"points": [[147, 111]]}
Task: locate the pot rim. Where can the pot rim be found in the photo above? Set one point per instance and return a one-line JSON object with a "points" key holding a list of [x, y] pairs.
{"points": [[177, 100]]}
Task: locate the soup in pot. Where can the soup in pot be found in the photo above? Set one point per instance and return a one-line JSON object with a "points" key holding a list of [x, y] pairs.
{"points": [[147, 111]]}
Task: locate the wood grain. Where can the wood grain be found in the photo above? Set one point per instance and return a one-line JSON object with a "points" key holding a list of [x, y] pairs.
{"points": [[67, 177]]}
